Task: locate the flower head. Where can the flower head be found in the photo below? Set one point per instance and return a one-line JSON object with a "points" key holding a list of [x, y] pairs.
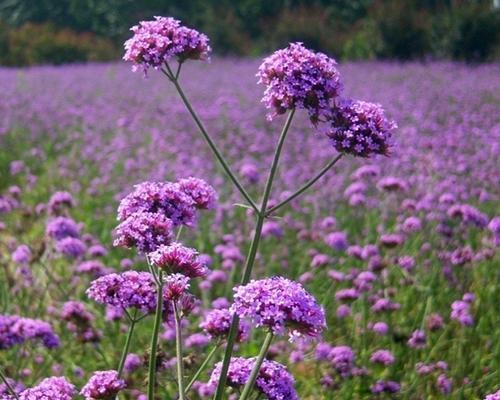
{"points": [[218, 321], [296, 77], [176, 258], [102, 385], [203, 195], [273, 379], [158, 41], [54, 388], [161, 198], [280, 305], [360, 128], [146, 231], [62, 227]]}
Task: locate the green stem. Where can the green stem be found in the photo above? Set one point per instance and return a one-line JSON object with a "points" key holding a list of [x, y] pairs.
{"points": [[306, 186], [202, 368], [154, 337], [256, 368], [8, 385], [178, 348], [127, 346], [251, 256], [170, 75]]}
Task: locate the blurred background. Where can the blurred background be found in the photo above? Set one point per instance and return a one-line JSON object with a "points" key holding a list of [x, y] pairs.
{"points": [[62, 31]]}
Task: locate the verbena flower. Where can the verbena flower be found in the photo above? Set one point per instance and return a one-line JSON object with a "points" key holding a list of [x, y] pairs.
{"points": [[71, 247], [217, 322], [273, 379], [54, 388], [384, 357], [159, 197], [382, 386], [103, 385], [22, 255], [146, 231], [17, 330], [203, 195], [62, 227], [296, 77], [360, 128], [176, 258], [175, 286], [280, 305], [130, 289], [59, 200], [5, 392], [158, 41]]}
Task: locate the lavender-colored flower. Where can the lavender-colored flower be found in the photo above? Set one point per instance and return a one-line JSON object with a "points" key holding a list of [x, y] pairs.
{"points": [[22, 255], [444, 384], [203, 195], [250, 173], [272, 228], [157, 41], [279, 304], [380, 328], [347, 294], [494, 227], [273, 379], [71, 247], [341, 359], [59, 200], [384, 357], [392, 184], [103, 385], [175, 286], [92, 267], [144, 230], [5, 392], [164, 198], [382, 386], [418, 339], [460, 312], [97, 250], [470, 215], [360, 128], [132, 363], [217, 322], [296, 77], [337, 241], [176, 258], [62, 227], [126, 290], [54, 388], [493, 396], [383, 305], [16, 330], [391, 240]]}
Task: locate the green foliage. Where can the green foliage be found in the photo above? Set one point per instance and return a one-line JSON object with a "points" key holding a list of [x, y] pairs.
{"points": [[351, 29]]}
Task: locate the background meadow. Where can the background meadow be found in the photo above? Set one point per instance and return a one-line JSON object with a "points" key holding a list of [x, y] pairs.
{"points": [[422, 219]]}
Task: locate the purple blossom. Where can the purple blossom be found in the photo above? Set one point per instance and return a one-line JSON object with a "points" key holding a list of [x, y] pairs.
{"points": [[157, 41], [280, 305], [384, 357], [132, 363], [217, 322], [382, 386], [460, 312], [176, 258], [273, 379], [418, 339], [71, 247], [203, 195], [22, 255], [337, 241], [103, 385], [296, 77], [175, 286], [360, 128], [144, 230], [54, 388], [62, 227], [59, 200]]}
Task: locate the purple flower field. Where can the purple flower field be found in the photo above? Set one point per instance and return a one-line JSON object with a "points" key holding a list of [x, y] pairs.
{"points": [[392, 262]]}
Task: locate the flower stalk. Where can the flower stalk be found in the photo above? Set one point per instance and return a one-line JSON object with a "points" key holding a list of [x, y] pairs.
{"points": [[178, 349], [154, 337]]}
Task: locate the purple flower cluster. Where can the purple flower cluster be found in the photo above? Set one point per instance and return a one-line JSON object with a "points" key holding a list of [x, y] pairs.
{"points": [[62, 227], [279, 304], [273, 380], [203, 195], [60, 200], [131, 289], [384, 357], [144, 230], [493, 396], [460, 310], [22, 255], [341, 358], [155, 42], [103, 385], [382, 386], [54, 388], [176, 258], [79, 321], [360, 128], [16, 330], [218, 321], [296, 77]]}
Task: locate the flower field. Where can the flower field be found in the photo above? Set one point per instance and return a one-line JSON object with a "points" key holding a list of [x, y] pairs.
{"points": [[389, 266]]}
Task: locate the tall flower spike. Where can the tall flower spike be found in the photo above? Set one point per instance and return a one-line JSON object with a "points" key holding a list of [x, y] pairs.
{"points": [[297, 77], [158, 41]]}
